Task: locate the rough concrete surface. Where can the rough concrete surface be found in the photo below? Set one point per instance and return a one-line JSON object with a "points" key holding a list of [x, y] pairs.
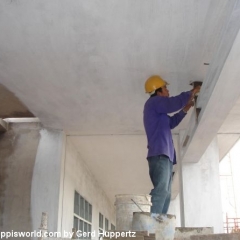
{"points": [[231, 236], [186, 232], [17, 158]]}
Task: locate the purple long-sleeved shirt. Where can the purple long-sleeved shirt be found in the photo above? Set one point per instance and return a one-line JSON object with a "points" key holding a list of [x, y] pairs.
{"points": [[158, 124]]}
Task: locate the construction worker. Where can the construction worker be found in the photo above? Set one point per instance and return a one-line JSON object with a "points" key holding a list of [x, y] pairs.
{"points": [[161, 153]]}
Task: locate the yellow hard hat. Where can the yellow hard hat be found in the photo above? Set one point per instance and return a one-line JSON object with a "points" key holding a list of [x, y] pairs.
{"points": [[153, 83]]}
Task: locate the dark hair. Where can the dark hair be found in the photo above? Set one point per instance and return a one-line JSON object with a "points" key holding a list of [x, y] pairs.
{"points": [[155, 93]]}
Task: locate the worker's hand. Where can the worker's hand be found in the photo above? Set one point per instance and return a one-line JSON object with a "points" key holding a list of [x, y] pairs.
{"points": [[188, 106], [196, 90]]}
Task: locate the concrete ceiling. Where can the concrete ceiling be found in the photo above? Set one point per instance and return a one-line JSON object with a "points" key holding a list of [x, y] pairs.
{"points": [[80, 66], [74, 62]]}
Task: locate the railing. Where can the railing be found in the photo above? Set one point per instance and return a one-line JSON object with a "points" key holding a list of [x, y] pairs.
{"points": [[232, 225]]}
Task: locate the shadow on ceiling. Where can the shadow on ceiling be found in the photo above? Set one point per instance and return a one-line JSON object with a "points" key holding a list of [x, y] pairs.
{"points": [[11, 106]]}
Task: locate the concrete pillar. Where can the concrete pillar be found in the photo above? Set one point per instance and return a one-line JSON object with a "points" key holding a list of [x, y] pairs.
{"points": [[45, 192], [201, 191]]}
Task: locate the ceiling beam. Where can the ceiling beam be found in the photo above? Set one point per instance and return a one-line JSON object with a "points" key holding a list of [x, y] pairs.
{"points": [[3, 126], [219, 93]]}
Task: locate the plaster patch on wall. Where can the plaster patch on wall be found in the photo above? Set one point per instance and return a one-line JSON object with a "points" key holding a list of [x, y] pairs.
{"points": [[17, 158]]}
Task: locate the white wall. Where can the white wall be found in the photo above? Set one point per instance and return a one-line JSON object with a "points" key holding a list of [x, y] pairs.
{"points": [[202, 196], [230, 178], [76, 176], [234, 155], [174, 209]]}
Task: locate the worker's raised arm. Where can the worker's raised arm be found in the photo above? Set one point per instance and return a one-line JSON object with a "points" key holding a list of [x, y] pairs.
{"points": [[171, 104]]}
